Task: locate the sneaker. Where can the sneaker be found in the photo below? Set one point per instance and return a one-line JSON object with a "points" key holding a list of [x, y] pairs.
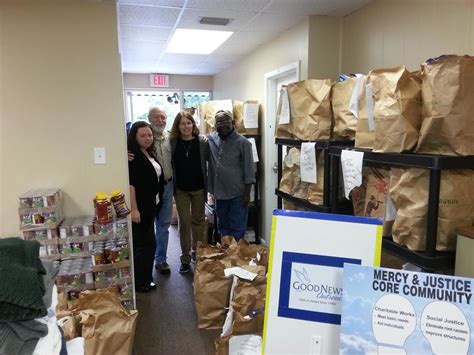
{"points": [[163, 268], [184, 268]]}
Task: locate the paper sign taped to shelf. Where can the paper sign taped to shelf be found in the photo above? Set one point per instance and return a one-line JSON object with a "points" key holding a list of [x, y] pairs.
{"points": [[308, 167], [225, 105], [251, 115], [354, 102], [254, 149], [351, 162], [285, 107], [245, 345], [239, 272], [369, 101]]}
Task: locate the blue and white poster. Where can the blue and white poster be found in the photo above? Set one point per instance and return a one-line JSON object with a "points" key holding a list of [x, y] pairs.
{"points": [[308, 252], [387, 311]]}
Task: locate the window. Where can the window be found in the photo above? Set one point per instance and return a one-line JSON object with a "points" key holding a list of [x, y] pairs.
{"points": [[138, 103]]}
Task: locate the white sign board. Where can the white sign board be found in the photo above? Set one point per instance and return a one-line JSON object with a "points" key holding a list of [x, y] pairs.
{"points": [[304, 293]]}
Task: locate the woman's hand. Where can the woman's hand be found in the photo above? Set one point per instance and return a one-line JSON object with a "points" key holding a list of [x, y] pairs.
{"points": [[135, 216]]}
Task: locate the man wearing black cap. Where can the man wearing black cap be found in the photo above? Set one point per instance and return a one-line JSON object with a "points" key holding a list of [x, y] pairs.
{"points": [[231, 175]]}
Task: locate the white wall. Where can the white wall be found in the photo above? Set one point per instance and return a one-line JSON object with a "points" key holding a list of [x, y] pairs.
{"points": [[245, 80], [61, 95], [324, 47], [388, 33], [177, 82]]}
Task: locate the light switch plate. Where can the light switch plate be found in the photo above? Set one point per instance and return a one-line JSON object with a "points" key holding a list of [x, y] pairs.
{"points": [[316, 345], [99, 155]]}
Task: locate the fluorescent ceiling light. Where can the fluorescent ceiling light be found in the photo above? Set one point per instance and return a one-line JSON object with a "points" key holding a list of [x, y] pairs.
{"points": [[196, 41]]}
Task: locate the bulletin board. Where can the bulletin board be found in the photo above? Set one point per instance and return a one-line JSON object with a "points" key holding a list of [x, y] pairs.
{"points": [[304, 291]]}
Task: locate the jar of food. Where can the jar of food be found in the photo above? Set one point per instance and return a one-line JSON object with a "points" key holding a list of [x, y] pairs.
{"points": [[120, 206], [103, 208]]}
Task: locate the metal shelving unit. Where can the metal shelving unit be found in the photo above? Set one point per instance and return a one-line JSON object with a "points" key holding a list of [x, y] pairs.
{"points": [[430, 259], [324, 145]]}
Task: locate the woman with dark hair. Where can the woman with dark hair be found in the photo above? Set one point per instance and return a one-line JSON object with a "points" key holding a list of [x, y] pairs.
{"points": [[146, 191], [189, 156]]}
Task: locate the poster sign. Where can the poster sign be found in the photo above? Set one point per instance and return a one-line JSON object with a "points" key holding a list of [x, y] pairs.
{"points": [[403, 312], [308, 251]]}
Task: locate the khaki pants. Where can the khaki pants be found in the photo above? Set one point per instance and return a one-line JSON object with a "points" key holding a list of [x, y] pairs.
{"points": [[190, 207]]}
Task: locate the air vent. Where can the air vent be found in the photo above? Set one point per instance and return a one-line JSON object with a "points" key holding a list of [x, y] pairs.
{"points": [[216, 21]]}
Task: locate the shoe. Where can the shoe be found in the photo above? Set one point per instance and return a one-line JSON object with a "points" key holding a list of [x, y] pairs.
{"points": [[184, 268], [145, 289], [163, 268]]}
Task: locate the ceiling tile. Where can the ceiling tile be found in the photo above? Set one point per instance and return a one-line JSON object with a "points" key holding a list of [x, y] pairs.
{"points": [[183, 58], [344, 7], [148, 16], [179, 3], [140, 33], [232, 5], [272, 23], [190, 19], [299, 7]]}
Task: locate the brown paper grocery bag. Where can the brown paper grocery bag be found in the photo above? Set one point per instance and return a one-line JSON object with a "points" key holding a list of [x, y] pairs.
{"points": [[290, 164], [107, 327], [376, 192], [448, 108], [397, 109], [222, 345], [238, 108], [283, 130], [358, 194], [316, 191], [310, 107], [211, 293], [345, 123], [409, 192], [206, 113]]}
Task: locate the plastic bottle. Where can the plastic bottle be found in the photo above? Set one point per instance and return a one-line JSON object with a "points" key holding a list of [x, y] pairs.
{"points": [[103, 208], [120, 206]]}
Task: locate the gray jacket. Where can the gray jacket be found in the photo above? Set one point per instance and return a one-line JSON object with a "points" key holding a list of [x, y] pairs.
{"points": [[203, 151]]}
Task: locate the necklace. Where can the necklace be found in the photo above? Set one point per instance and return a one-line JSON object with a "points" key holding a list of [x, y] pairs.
{"points": [[187, 148]]}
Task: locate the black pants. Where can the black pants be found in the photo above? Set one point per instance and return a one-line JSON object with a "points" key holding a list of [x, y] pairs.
{"points": [[144, 246]]}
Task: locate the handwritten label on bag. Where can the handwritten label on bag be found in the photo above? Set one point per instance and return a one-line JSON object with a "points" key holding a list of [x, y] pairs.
{"points": [[245, 345], [250, 115], [285, 107], [369, 101], [351, 162], [254, 149], [308, 167]]}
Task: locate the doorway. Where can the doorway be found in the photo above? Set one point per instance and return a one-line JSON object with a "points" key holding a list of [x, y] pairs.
{"points": [[273, 81]]}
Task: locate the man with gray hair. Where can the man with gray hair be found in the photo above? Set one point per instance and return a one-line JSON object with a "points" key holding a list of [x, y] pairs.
{"points": [[231, 175], [157, 118]]}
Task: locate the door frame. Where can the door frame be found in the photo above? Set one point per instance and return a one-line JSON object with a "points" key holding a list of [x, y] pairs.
{"points": [[269, 137]]}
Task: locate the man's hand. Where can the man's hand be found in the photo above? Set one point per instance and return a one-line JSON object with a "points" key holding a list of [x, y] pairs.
{"points": [[246, 199], [135, 216], [246, 195], [131, 156]]}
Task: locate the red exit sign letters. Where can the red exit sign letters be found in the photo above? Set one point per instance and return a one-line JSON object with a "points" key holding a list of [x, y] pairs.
{"points": [[159, 80]]}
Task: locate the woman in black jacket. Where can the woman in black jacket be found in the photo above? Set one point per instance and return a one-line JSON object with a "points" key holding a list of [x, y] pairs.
{"points": [[189, 156], [146, 191]]}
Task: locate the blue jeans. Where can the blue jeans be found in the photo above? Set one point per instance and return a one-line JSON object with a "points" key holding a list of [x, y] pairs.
{"points": [[162, 224], [231, 217]]}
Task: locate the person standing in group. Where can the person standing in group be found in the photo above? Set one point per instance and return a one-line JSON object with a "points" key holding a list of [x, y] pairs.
{"points": [[231, 175], [146, 191], [157, 118], [189, 152]]}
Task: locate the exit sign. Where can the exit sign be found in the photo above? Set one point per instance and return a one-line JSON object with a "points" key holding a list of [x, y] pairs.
{"points": [[159, 80]]}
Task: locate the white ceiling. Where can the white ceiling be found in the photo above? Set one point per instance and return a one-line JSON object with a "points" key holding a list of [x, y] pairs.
{"points": [[146, 26]]}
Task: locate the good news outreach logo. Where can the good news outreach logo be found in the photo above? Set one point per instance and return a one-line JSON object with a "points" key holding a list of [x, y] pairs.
{"points": [[318, 290]]}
